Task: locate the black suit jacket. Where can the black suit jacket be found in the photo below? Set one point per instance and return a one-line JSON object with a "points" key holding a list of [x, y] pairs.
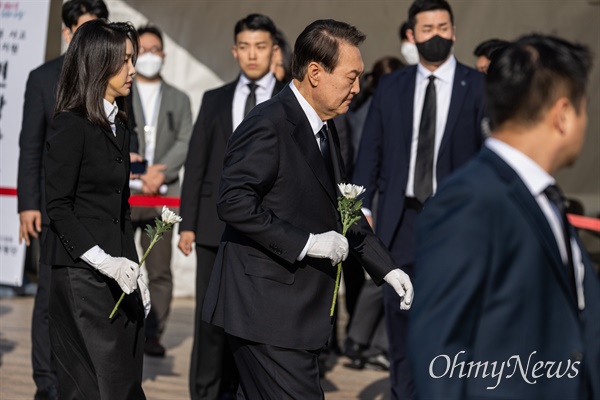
{"points": [[274, 192], [87, 191], [384, 154], [204, 163], [490, 282], [40, 100]]}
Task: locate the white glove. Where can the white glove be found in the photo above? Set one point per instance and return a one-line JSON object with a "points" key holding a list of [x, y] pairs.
{"points": [[402, 285], [330, 245], [122, 270], [145, 295]]}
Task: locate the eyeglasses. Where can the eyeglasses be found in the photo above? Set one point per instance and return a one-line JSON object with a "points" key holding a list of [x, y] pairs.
{"points": [[153, 50]]}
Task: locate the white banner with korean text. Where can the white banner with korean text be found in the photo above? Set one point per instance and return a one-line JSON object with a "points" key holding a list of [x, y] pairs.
{"points": [[23, 30]]}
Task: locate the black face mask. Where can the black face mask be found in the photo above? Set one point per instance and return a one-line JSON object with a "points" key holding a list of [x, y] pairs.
{"points": [[435, 49]]}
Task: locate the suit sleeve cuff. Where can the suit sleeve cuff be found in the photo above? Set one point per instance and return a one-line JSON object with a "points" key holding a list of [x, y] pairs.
{"points": [[306, 247], [94, 256]]}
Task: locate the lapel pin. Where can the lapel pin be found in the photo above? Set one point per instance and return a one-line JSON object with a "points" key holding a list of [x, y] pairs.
{"points": [[463, 83]]}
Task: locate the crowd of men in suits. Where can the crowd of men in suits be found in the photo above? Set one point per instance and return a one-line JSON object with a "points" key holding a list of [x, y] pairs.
{"points": [[259, 198]]}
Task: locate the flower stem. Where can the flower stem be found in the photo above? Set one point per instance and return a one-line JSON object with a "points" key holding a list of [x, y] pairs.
{"points": [[154, 240], [338, 275]]}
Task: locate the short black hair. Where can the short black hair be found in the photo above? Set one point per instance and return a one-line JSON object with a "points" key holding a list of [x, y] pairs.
{"points": [[320, 42], [154, 30], [419, 6], [95, 55], [402, 31], [255, 22], [488, 47], [529, 75], [73, 9]]}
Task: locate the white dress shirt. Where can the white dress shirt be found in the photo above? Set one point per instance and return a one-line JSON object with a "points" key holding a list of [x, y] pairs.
{"points": [[111, 111], [537, 180], [263, 91], [316, 124], [444, 81], [150, 97]]}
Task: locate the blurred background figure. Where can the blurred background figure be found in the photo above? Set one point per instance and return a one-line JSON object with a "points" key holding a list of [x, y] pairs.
{"points": [[485, 51], [38, 110], [408, 50], [281, 62], [423, 124], [164, 126], [212, 371]]}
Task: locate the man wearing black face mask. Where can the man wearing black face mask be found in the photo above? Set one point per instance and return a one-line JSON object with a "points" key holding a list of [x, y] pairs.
{"points": [[424, 123]]}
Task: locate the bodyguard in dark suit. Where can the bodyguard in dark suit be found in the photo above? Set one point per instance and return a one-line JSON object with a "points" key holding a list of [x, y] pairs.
{"points": [[505, 284], [212, 370], [424, 123], [272, 284], [40, 99]]}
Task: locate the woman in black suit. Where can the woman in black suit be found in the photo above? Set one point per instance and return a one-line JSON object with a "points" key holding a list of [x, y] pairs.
{"points": [[90, 246]]}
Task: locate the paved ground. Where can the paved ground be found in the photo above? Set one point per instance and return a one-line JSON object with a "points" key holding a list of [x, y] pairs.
{"points": [[164, 378]]}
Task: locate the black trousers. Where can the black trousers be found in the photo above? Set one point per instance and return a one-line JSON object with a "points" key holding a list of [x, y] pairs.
{"points": [[44, 374], [95, 357], [275, 373], [212, 369]]}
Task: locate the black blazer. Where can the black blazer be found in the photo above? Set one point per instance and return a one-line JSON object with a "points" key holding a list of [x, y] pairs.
{"points": [[199, 190], [384, 155], [40, 100], [274, 192], [87, 191], [490, 282]]}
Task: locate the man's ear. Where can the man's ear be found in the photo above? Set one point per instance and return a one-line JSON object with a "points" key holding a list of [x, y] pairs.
{"points": [[561, 114], [410, 35], [234, 52], [67, 35], [313, 73]]}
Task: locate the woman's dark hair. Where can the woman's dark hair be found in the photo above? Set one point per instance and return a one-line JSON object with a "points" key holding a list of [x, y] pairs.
{"points": [[286, 54], [96, 54], [383, 66], [320, 42]]}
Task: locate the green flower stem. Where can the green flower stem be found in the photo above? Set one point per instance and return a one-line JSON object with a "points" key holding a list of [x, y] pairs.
{"points": [[339, 269], [155, 239]]}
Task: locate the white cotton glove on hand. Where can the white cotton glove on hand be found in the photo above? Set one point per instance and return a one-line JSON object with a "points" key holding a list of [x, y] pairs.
{"points": [[330, 245], [402, 285], [145, 295], [122, 270]]}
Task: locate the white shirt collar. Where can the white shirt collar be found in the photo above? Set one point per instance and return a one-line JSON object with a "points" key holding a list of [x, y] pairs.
{"points": [[313, 118], [266, 81], [534, 176], [444, 72], [111, 111]]}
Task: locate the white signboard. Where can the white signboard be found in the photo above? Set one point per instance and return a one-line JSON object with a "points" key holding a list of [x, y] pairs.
{"points": [[23, 27]]}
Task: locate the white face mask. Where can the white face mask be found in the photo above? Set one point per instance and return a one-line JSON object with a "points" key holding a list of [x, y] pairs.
{"points": [[409, 52], [148, 65]]}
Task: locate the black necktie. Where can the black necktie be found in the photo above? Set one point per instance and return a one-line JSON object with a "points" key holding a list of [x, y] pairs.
{"points": [[423, 185], [558, 202], [324, 145], [251, 99]]}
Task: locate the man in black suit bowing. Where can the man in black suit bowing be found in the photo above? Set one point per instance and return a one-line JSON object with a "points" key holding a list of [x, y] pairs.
{"points": [[38, 110], [424, 123], [212, 370], [273, 280]]}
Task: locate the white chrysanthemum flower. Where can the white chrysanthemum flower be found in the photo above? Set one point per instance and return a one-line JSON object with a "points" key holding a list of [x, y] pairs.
{"points": [[169, 216], [350, 191]]}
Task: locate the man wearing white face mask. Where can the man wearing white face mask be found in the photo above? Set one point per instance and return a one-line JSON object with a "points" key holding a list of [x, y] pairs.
{"points": [[408, 50], [163, 127]]}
